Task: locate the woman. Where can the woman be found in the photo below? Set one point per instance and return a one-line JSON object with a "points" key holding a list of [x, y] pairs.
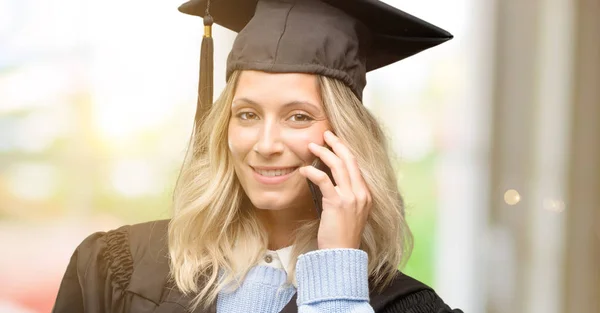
{"points": [[245, 235]]}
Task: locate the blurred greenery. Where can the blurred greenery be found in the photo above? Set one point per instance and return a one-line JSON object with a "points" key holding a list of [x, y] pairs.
{"points": [[418, 183]]}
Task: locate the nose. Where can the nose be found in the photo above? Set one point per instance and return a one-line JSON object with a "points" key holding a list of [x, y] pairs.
{"points": [[269, 140]]}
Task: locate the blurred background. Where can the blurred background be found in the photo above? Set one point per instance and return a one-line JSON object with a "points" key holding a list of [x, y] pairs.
{"points": [[497, 137]]}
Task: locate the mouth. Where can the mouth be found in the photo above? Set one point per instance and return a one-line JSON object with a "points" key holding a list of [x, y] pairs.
{"points": [[273, 176], [274, 172]]}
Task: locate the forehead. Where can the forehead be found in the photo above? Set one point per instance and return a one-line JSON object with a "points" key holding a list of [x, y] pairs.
{"points": [[262, 87]]}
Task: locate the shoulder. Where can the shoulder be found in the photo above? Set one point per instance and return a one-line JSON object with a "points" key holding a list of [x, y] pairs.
{"points": [[142, 239], [135, 240], [131, 256], [126, 242], [406, 294], [424, 301], [121, 270]]}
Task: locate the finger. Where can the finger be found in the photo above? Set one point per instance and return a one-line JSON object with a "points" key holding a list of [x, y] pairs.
{"points": [[358, 184], [335, 164], [320, 179]]}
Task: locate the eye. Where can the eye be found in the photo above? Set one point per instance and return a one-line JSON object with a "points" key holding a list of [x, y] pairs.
{"points": [[301, 118], [246, 115]]}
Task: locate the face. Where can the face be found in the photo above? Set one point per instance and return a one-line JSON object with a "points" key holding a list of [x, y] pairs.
{"points": [[273, 119]]}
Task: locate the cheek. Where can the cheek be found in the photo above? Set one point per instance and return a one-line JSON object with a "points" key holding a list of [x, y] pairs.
{"points": [[238, 142], [298, 142]]}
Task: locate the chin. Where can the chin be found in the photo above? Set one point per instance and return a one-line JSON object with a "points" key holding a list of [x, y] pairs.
{"points": [[266, 201]]}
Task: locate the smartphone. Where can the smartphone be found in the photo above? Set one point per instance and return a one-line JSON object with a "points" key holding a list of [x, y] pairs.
{"points": [[315, 190]]}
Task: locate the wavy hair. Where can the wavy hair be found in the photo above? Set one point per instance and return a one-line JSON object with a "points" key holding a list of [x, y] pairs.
{"points": [[210, 207]]}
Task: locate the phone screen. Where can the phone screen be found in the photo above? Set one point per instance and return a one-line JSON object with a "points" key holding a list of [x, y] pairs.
{"points": [[315, 190]]}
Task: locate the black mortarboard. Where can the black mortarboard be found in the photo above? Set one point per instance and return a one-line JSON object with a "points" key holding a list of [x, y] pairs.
{"points": [[342, 39]]}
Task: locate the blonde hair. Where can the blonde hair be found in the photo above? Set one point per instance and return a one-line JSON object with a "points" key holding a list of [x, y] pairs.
{"points": [[209, 215]]}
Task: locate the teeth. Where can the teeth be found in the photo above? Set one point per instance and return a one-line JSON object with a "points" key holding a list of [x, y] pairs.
{"points": [[272, 173]]}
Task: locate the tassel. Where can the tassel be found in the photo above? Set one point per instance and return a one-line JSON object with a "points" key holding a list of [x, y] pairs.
{"points": [[205, 83]]}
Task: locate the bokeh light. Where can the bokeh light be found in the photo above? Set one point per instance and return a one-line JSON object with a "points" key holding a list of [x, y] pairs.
{"points": [[512, 197], [554, 205]]}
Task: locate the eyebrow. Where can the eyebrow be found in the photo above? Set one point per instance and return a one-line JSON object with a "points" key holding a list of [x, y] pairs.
{"points": [[292, 103]]}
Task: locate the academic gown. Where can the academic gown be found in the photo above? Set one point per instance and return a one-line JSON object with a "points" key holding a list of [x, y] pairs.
{"points": [[126, 270]]}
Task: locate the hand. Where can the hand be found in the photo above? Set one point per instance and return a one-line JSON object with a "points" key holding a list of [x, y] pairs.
{"points": [[345, 206]]}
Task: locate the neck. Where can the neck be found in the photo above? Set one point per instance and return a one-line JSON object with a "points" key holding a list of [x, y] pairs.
{"points": [[280, 224]]}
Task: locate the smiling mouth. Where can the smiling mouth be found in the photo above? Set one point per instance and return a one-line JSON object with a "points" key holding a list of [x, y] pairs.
{"points": [[275, 173]]}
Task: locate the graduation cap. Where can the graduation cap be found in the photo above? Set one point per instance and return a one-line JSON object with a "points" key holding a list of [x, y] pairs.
{"points": [[342, 39]]}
